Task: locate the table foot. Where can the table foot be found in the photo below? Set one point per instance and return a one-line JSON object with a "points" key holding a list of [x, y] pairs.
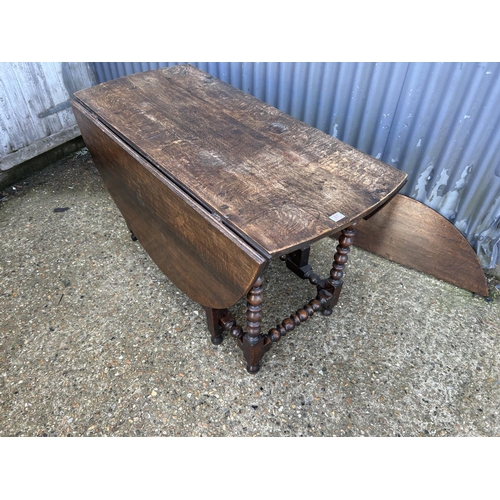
{"points": [[133, 237], [218, 320], [331, 300], [254, 351], [217, 340]]}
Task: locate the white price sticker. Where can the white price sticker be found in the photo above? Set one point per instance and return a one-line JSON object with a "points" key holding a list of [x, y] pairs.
{"points": [[337, 216]]}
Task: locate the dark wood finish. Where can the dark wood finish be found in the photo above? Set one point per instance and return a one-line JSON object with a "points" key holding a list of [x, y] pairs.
{"points": [[298, 262], [272, 179], [412, 234], [289, 324], [214, 183], [201, 256], [215, 323], [253, 344], [334, 283], [254, 310], [254, 352]]}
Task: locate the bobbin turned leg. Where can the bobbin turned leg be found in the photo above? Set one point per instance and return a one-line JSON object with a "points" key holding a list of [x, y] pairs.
{"points": [[253, 344], [333, 284]]}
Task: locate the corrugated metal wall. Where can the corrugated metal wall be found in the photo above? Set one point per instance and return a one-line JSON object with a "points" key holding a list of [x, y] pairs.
{"points": [[439, 122], [35, 114]]}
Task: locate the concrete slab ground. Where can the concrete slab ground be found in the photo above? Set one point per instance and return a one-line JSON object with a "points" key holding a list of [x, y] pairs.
{"points": [[96, 341]]}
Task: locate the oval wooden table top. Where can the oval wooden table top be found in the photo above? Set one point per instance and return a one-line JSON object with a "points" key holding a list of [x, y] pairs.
{"points": [[273, 180]]}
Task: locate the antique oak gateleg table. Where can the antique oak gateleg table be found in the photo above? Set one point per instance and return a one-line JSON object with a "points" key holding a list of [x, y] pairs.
{"points": [[214, 183]]}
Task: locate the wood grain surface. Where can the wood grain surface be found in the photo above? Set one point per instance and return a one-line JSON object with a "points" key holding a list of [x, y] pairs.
{"points": [[272, 179], [410, 233], [201, 256]]}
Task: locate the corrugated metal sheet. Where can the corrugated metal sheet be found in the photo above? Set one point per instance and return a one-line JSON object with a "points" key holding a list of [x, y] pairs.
{"points": [[35, 114], [439, 122], [446, 136]]}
